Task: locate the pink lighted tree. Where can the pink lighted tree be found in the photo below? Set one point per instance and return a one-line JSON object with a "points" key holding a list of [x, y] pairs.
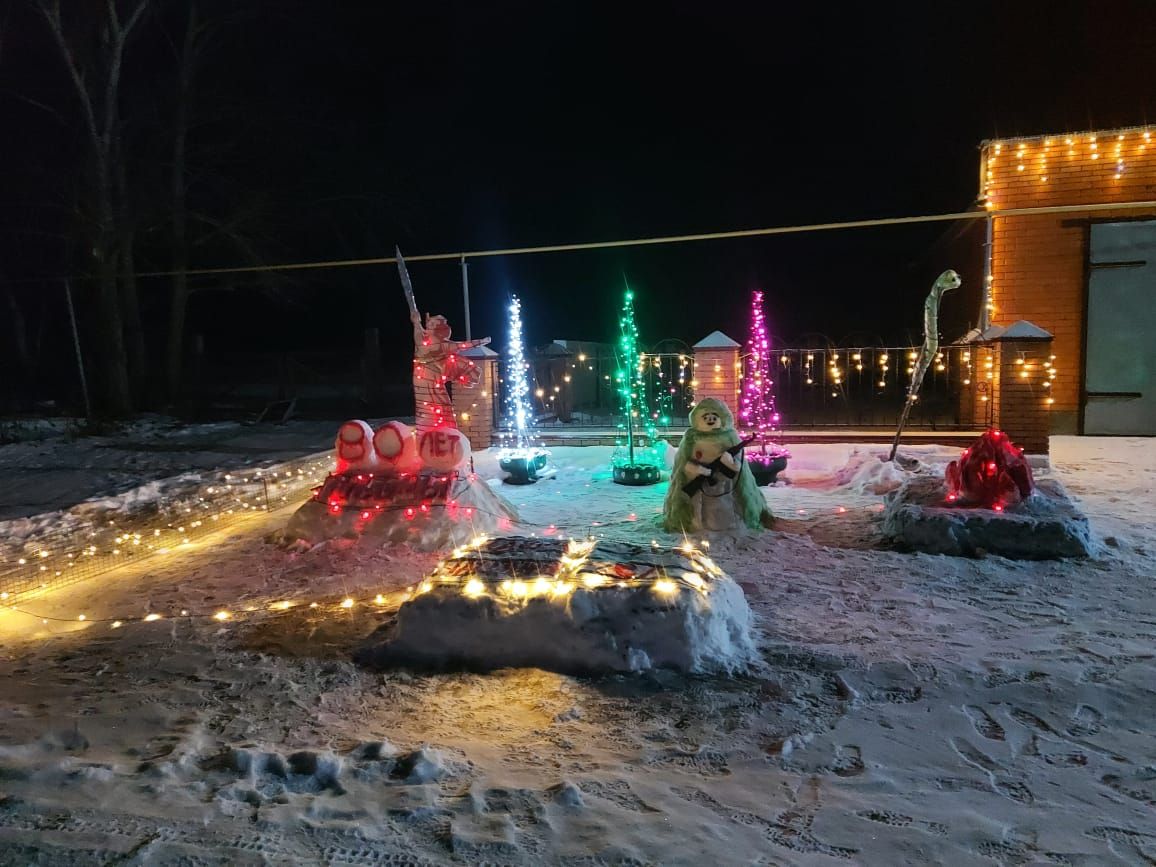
{"points": [[757, 412]]}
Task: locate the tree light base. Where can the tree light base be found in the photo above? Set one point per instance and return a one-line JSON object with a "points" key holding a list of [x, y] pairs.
{"points": [[766, 468], [637, 475], [526, 466]]}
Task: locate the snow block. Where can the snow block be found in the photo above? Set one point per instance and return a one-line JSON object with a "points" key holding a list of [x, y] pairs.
{"points": [[571, 607], [1045, 526], [427, 510]]}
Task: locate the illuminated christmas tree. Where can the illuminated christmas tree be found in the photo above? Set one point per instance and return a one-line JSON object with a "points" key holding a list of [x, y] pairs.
{"points": [[637, 460], [519, 412], [523, 460], [757, 413]]}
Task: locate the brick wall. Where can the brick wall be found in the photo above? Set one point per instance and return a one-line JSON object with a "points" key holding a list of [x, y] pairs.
{"points": [[474, 407], [1038, 262], [977, 406], [716, 374], [1024, 408]]}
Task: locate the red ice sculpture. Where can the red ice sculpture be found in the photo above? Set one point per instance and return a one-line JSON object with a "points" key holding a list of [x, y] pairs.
{"points": [[991, 473]]}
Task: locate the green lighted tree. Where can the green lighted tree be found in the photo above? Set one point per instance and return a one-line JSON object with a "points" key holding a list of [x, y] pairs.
{"points": [[630, 382]]}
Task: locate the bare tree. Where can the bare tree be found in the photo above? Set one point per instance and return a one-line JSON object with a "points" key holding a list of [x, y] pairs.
{"points": [[97, 84], [179, 301]]}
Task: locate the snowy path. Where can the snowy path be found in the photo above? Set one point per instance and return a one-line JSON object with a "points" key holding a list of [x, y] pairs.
{"points": [[914, 709]]}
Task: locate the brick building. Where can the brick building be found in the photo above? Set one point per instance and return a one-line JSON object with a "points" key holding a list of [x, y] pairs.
{"points": [[1088, 278]]}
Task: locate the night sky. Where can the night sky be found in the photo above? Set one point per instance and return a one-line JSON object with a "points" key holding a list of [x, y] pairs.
{"points": [[340, 129]]}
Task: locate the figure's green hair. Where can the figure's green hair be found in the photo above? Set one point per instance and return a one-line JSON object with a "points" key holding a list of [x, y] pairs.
{"points": [[677, 514]]}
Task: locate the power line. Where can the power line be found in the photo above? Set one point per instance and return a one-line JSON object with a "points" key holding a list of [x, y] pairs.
{"points": [[646, 242], [669, 239]]}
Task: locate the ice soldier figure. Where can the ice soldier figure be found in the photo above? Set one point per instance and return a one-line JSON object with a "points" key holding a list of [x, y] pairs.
{"points": [[711, 486]]}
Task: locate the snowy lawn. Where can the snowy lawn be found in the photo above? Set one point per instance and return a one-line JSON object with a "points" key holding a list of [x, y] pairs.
{"points": [[913, 709]]}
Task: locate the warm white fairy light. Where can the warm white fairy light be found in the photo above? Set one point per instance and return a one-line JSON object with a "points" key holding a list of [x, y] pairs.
{"points": [[103, 548]]}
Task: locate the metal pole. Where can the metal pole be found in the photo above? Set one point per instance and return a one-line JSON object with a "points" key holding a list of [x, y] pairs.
{"points": [[985, 309], [466, 294], [76, 345]]}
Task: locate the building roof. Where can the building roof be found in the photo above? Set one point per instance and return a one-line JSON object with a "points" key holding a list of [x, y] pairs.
{"points": [[556, 347], [1063, 136], [716, 340]]}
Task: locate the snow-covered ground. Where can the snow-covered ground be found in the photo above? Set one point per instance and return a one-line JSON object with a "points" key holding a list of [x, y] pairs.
{"points": [[912, 709], [50, 470]]}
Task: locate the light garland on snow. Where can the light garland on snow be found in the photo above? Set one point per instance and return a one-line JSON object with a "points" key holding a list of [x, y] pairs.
{"points": [[55, 562], [577, 568], [574, 570]]}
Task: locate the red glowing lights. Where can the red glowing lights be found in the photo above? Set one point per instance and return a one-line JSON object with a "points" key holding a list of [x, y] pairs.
{"points": [[991, 473]]}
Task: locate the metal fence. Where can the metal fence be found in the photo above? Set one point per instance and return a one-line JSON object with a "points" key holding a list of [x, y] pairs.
{"points": [[866, 386], [859, 387]]}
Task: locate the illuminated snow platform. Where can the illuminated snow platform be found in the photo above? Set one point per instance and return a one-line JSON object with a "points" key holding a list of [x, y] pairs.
{"points": [[572, 607], [427, 509], [1046, 525]]}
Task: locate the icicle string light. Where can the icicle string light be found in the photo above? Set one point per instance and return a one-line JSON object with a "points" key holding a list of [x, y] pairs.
{"points": [[1047, 160]]}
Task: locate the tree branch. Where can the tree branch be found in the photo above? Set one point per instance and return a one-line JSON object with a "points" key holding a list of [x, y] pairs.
{"points": [[51, 11]]}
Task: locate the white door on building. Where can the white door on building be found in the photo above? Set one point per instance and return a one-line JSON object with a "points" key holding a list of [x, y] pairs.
{"points": [[1120, 375]]}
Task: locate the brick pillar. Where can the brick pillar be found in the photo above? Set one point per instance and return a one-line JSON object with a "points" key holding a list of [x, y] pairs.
{"points": [[976, 387], [716, 370], [474, 407], [1022, 384]]}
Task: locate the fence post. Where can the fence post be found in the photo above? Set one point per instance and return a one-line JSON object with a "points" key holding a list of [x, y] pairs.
{"points": [[1022, 364], [717, 369]]}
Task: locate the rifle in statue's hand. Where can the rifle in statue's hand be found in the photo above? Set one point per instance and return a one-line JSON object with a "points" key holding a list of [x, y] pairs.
{"points": [[695, 485]]}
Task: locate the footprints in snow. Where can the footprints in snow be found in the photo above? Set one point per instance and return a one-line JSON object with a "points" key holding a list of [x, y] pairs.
{"points": [[848, 761], [618, 793], [1140, 786], [898, 820], [1086, 720], [983, 723], [790, 829], [996, 773]]}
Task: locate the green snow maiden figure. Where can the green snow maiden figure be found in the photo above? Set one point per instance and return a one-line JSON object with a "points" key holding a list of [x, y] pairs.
{"points": [[711, 486]]}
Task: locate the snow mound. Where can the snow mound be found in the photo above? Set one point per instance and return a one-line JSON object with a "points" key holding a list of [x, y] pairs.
{"points": [[1047, 525], [571, 607], [428, 511], [867, 473]]}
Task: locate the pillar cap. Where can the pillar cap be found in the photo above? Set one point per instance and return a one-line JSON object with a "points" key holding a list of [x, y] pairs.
{"points": [[716, 340], [1018, 330], [479, 352]]}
